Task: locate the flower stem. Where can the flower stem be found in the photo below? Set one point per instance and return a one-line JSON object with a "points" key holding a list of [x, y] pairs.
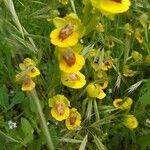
{"points": [[43, 121]]}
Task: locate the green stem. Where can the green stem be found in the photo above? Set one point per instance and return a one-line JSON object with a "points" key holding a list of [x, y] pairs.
{"points": [[43, 121]]}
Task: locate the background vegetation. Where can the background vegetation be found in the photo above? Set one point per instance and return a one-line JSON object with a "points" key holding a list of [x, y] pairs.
{"points": [[24, 32]]}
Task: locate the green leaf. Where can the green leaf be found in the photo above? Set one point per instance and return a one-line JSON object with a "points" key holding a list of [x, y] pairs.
{"points": [[144, 141], [27, 130], [18, 98], [99, 144], [144, 99], [83, 143], [69, 140], [4, 99]]}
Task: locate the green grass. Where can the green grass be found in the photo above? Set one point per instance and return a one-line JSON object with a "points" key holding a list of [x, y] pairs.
{"points": [[24, 32]]}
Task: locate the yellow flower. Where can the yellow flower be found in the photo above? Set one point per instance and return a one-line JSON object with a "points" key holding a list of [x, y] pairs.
{"points": [[33, 72], [73, 80], [128, 72], [144, 20], [100, 27], [28, 84], [94, 90], [111, 44], [74, 120], [123, 103], [117, 102], [102, 75], [111, 6], [26, 63], [138, 35], [68, 31], [130, 122], [60, 107], [92, 54], [136, 56], [28, 71], [96, 63], [128, 29], [103, 85], [64, 37], [70, 61], [64, 2], [28, 68], [107, 64]]}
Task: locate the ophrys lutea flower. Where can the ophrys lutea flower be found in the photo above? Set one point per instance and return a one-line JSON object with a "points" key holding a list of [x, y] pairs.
{"points": [[68, 31], [28, 67], [70, 61], [60, 107], [123, 103], [74, 120], [28, 71], [75, 80], [111, 6], [130, 122], [94, 90]]}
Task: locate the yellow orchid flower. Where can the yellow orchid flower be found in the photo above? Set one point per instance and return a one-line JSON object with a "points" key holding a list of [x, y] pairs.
{"points": [[128, 72], [28, 84], [136, 56], [138, 35], [60, 107], [70, 61], [111, 6], [28, 68], [73, 80], [68, 31], [74, 120], [94, 90], [63, 2], [123, 103], [130, 122]]}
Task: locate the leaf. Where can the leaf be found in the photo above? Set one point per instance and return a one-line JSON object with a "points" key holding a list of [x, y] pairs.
{"points": [[69, 140], [18, 98], [4, 99], [144, 141], [99, 144], [144, 99], [8, 137], [27, 130], [83, 143], [26, 126]]}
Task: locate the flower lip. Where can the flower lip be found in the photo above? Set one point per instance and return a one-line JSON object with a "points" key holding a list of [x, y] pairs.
{"points": [[60, 108], [27, 82], [69, 58], [65, 32], [33, 70], [72, 120], [74, 76], [117, 1]]}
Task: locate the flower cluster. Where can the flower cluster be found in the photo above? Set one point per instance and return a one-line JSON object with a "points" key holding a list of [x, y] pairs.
{"points": [[61, 111], [125, 104], [65, 37], [28, 72]]}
